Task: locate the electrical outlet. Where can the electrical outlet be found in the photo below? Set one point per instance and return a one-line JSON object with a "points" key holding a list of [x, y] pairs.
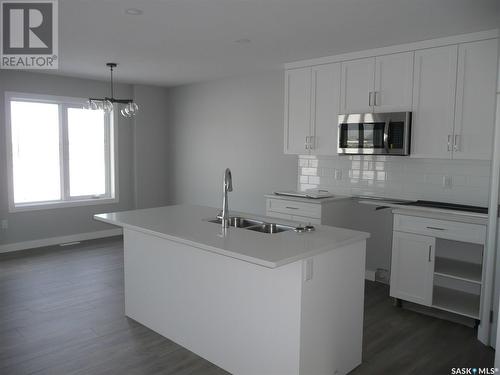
{"points": [[307, 269], [4, 224], [338, 174], [447, 182]]}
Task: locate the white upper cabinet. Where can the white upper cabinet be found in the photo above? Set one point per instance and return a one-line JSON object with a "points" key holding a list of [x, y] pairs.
{"points": [[326, 102], [434, 87], [393, 82], [378, 84], [312, 98], [454, 101], [475, 100], [358, 80], [297, 110], [449, 87]]}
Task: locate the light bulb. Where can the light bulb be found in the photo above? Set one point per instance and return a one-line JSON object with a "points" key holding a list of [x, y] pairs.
{"points": [[125, 113], [107, 106]]}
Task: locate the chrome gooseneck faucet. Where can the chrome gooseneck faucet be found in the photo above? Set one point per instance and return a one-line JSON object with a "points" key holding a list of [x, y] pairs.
{"points": [[227, 185]]}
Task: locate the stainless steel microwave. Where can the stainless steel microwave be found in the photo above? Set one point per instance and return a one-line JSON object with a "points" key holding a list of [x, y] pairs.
{"points": [[374, 133]]}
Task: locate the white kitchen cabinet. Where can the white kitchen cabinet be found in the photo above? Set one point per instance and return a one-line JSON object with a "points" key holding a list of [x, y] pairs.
{"points": [[311, 108], [358, 80], [412, 267], [378, 84], [326, 102], [475, 100], [307, 210], [438, 262], [454, 103], [393, 82], [448, 87], [297, 110], [434, 89], [293, 209]]}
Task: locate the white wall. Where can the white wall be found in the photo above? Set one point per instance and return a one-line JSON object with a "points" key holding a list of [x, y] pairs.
{"points": [[148, 153], [33, 225], [151, 152], [235, 123]]}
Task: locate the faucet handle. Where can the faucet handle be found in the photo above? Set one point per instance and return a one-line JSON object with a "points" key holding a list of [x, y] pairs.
{"points": [[228, 180]]}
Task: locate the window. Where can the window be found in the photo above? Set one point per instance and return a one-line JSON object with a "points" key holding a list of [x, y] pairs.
{"points": [[59, 154]]}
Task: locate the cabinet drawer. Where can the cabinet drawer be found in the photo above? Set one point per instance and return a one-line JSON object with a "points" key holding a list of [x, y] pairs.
{"points": [[452, 230], [294, 208]]}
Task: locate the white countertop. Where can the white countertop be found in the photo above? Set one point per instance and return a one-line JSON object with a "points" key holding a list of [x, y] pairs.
{"points": [[473, 217], [188, 224]]}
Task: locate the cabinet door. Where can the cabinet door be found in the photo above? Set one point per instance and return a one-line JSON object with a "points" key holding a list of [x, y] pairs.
{"points": [[412, 267], [393, 82], [434, 87], [475, 105], [297, 110], [325, 111], [358, 79]]}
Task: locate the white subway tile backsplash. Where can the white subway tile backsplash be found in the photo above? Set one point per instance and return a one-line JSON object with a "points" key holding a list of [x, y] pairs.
{"points": [[309, 171], [313, 163], [398, 177], [314, 180], [303, 162]]}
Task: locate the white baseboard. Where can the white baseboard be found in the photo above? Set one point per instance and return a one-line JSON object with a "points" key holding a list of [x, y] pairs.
{"points": [[59, 240], [370, 275]]}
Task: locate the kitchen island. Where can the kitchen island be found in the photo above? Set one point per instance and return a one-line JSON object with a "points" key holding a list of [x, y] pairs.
{"points": [[250, 302]]}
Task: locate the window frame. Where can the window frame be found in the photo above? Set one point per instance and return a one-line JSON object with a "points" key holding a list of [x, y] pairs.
{"points": [[111, 155]]}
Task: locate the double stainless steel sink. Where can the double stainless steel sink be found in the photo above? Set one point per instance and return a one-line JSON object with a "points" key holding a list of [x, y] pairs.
{"points": [[255, 225]]}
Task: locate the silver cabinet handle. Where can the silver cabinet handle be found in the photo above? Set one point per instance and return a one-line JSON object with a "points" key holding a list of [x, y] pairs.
{"points": [[430, 250], [306, 145], [449, 142], [370, 98], [291, 208], [456, 140], [435, 228], [312, 141], [377, 98]]}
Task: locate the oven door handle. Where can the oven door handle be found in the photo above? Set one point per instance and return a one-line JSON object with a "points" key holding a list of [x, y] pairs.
{"points": [[386, 135]]}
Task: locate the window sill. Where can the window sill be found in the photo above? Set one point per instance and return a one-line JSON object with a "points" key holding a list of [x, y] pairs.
{"points": [[62, 204]]}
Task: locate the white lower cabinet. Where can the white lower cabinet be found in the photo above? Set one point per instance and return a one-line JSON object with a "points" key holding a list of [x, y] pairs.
{"points": [[324, 211], [295, 210], [437, 265], [412, 267]]}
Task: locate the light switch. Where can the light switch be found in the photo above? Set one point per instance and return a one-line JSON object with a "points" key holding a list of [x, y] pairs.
{"points": [[338, 174], [447, 182]]}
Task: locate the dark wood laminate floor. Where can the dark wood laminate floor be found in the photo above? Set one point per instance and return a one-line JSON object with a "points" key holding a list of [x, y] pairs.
{"points": [[61, 312]]}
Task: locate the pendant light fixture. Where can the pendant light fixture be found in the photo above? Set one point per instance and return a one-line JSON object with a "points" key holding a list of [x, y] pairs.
{"points": [[128, 107]]}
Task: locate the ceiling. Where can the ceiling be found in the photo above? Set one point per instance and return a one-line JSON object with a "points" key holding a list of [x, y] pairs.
{"points": [[183, 41]]}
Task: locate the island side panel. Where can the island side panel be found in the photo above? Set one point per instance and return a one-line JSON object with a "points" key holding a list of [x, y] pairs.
{"points": [[243, 317], [332, 311]]}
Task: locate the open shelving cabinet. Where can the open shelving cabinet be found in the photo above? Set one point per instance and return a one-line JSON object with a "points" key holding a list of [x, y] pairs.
{"points": [[458, 277]]}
